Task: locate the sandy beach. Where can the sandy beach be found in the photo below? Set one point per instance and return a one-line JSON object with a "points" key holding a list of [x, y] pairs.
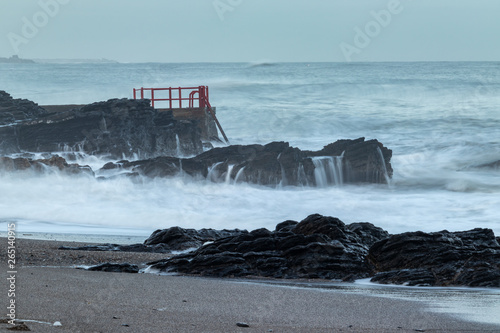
{"points": [[49, 289]]}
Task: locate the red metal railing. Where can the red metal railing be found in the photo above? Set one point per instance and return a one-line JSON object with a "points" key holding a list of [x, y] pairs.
{"points": [[196, 96]]}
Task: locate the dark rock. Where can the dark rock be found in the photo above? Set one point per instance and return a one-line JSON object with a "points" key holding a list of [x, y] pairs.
{"points": [[363, 161], [278, 164], [368, 233], [242, 324], [165, 241], [117, 268], [41, 165], [117, 127], [318, 247], [19, 326], [18, 110], [179, 239], [321, 247], [468, 258], [285, 226]]}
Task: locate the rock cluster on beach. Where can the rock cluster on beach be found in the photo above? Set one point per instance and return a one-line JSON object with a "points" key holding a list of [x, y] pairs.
{"points": [[321, 247], [326, 248], [470, 258], [318, 247]]}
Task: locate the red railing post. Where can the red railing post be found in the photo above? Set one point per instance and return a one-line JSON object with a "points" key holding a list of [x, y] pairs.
{"points": [[170, 96], [153, 98], [142, 93], [191, 98], [180, 98]]}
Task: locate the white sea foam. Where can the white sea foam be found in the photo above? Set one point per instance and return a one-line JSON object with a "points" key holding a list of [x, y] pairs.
{"points": [[148, 204]]}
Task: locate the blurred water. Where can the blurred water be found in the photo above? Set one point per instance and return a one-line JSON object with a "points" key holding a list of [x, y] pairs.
{"points": [[441, 120]]}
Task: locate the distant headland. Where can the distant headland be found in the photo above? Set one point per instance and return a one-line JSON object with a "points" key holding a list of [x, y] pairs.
{"points": [[16, 60]]}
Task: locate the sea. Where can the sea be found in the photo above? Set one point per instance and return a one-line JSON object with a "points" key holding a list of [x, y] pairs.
{"points": [[440, 119]]}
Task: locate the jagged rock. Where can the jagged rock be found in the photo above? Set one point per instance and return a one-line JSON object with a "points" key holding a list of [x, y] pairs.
{"points": [[117, 127], [117, 268], [363, 161], [179, 239], [317, 247], [468, 258], [368, 233], [40, 165], [17, 110], [278, 164]]}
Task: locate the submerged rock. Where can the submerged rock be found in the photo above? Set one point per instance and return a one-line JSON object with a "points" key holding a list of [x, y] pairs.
{"points": [[40, 165], [318, 247], [467, 258], [115, 128]]}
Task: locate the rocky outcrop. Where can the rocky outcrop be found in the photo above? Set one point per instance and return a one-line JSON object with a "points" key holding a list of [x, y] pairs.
{"points": [[18, 110], [325, 248], [43, 165], [468, 258], [16, 60], [278, 164], [123, 128], [317, 247], [321, 247], [116, 128]]}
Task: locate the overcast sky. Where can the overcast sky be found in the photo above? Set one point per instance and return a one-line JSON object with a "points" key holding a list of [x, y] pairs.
{"points": [[252, 30]]}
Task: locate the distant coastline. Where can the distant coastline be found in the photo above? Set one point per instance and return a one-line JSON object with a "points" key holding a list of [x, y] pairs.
{"points": [[16, 60]]}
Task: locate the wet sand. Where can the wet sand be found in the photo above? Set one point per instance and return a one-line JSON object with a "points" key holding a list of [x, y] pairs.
{"points": [[84, 301]]}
